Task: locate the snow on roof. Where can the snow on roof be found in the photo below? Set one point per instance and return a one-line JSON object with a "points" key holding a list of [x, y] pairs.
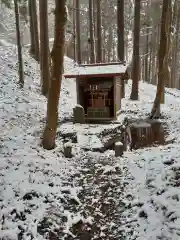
{"points": [[97, 70]]}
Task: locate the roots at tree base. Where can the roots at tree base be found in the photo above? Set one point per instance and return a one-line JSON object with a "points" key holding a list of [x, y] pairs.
{"points": [[49, 136], [156, 111]]}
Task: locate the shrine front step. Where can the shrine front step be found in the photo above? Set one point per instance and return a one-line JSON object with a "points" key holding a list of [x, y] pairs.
{"points": [[90, 142], [97, 144]]}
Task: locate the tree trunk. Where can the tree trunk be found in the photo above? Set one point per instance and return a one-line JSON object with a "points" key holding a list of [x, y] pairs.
{"points": [[136, 58], [18, 36], [150, 64], [35, 29], [74, 31], [120, 29], [95, 28], [91, 31], [155, 43], [109, 45], [146, 57], [143, 68], [168, 58], [44, 47], [175, 49], [99, 32], [78, 33], [56, 78], [114, 47], [120, 35], [104, 40], [32, 40], [162, 57]]}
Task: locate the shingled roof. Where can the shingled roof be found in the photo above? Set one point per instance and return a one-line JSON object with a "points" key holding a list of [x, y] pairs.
{"points": [[98, 70]]}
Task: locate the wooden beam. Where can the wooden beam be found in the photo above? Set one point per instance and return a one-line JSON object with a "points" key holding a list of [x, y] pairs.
{"points": [[86, 76], [102, 64]]}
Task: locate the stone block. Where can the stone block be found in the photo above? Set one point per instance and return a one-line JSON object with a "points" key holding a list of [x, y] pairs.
{"points": [[79, 114], [119, 149], [68, 150]]}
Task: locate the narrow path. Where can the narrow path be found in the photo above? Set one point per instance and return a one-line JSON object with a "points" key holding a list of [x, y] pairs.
{"points": [[97, 207], [101, 199]]}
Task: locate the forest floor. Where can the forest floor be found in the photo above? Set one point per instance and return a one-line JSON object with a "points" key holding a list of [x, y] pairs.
{"points": [[92, 195]]}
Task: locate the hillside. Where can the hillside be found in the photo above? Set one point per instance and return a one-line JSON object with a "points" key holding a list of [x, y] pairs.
{"points": [[22, 117], [93, 195], [144, 191], [8, 30]]}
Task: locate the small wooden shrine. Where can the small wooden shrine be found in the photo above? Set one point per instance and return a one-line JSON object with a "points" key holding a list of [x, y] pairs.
{"points": [[99, 89]]}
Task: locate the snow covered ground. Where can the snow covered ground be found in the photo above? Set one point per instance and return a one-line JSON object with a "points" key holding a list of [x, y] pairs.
{"points": [[24, 165], [8, 29], [153, 178], [92, 195]]}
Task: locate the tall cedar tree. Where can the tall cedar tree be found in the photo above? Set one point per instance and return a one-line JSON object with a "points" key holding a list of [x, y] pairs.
{"points": [[56, 78], [175, 45], [18, 36], [35, 26], [99, 32], [32, 40], [34, 30], [95, 28], [78, 33], [91, 31], [44, 47], [136, 58], [120, 35], [162, 57]]}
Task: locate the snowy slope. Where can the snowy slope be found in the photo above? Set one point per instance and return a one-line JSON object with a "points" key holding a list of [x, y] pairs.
{"points": [[24, 165], [152, 176], [8, 29], [35, 183], [143, 196]]}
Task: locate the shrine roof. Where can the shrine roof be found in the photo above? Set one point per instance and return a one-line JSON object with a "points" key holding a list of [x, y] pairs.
{"points": [[97, 70]]}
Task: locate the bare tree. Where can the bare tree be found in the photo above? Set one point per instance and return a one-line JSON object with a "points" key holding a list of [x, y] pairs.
{"points": [[175, 45], [78, 33], [120, 35], [136, 59], [146, 60], [99, 32], [32, 40], [91, 31], [56, 78], [162, 57], [35, 26], [44, 46], [18, 36], [34, 29]]}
